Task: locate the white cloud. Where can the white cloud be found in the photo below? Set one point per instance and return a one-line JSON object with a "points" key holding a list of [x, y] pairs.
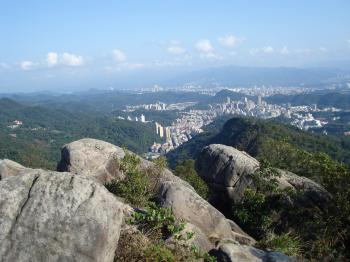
{"points": [[27, 65], [265, 50], [322, 49], [268, 49], [204, 45], [52, 58], [119, 56], [285, 51], [176, 49], [230, 40], [206, 49], [71, 59]]}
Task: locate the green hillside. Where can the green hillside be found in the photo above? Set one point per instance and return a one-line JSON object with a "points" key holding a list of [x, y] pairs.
{"points": [[260, 138], [37, 142]]}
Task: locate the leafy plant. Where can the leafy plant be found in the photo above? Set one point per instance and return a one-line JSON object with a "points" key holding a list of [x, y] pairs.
{"points": [[136, 188], [185, 170], [252, 213], [157, 219], [159, 253]]}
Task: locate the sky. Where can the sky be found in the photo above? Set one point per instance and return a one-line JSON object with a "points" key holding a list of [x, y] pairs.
{"points": [[69, 44]]}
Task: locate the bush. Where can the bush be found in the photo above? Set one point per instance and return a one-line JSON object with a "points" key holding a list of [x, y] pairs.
{"points": [[159, 224], [136, 188], [253, 214], [285, 243], [185, 170], [132, 246], [157, 220], [159, 253]]}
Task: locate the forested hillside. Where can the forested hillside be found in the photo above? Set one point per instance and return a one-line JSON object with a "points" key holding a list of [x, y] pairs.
{"points": [[260, 138], [37, 141], [322, 99]]}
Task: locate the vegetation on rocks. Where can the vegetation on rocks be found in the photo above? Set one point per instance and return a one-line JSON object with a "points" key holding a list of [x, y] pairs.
{"points": [[155, 225], [185, 170], [309, 233]]}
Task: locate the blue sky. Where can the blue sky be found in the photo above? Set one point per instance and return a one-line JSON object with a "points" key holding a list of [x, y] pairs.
{"points": [[52, 43]]}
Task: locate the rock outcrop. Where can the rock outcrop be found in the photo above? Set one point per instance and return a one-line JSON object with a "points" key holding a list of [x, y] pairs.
{"points": [[227, 171], [70, 216], [10, 168], [51, 216], [99, 160], [92, 157], [189, 206]]}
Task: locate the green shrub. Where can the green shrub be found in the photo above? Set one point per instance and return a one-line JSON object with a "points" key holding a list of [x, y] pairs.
{"points": [[157, 220], [252, 213], [285, 243], [159, 224], [185, 170], [136, 188], [161, 162], [159, 253]]}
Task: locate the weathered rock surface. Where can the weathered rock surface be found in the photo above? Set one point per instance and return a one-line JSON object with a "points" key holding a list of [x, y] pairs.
{"points": [[227, 171], [233, 252], [188, 205], [91, 157], [199, 239], [99, 160], [10, 168], [51, 216]]}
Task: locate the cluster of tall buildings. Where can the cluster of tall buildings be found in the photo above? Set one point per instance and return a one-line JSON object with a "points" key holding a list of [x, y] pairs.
{"points": [[140, 118]]}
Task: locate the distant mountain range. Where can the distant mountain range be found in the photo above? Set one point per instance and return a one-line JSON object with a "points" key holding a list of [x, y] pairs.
{"points": [[250, 76]]}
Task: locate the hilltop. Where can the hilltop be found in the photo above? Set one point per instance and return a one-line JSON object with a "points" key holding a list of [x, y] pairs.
{"points": [[260, 138]]}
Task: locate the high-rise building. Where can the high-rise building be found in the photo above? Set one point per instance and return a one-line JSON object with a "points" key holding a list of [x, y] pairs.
{"points": [[167, 133], [142, 118], [259, 101], [159, 130]]}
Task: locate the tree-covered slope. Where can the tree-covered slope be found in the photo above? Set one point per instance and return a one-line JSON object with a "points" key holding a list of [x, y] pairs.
{"points": [[322, 99], [45, 131], [259, 137]]}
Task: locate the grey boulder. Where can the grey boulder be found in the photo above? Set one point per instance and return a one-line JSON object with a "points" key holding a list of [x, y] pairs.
{"points": [[186, 204], [227, 171], [51, 216], [92, 157], [100, 160], [10, 168]]}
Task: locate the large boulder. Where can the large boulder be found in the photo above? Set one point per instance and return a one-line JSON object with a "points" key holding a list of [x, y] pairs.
{"points": [[10, 168], [100, 160], [91, 157], [228, 172], [186, 204], [51, 216]]}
